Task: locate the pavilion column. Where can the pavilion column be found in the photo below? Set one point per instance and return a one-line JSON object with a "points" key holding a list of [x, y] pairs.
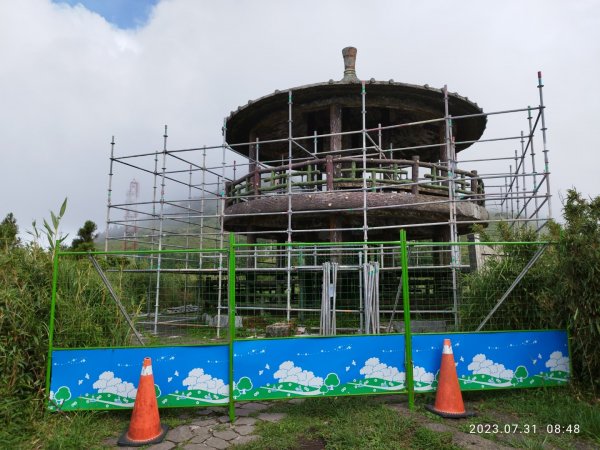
{"points": [[335, 144], [252, 152]]}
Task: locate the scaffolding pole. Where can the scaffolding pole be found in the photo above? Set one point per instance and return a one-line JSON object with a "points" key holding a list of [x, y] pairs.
{"points": [[221, 204], [109, 200], [544, 144], [454, 251], [288, 290], [160, 230]]}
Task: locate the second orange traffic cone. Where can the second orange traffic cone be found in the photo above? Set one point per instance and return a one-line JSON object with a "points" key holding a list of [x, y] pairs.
{"points": [[448, 398], [145, 427]]}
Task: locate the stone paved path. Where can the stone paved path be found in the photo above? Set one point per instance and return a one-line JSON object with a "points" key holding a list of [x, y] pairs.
{"points": [[210, 428]]}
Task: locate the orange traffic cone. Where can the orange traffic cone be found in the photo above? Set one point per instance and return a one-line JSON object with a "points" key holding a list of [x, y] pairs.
{"points": [[448, 398], [145, 427]]}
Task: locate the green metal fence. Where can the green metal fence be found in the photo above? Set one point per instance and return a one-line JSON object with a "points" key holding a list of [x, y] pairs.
{"points": [[184, 296]]}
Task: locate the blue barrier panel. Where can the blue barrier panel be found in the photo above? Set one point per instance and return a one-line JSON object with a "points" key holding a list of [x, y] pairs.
{"points": [[494, 360], [308, 367], [305, 367], [107, 378]]}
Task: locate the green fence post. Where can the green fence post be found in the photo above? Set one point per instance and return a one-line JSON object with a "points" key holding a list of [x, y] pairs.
{"points": [[231, 298], [51, 324], [407, 334]]}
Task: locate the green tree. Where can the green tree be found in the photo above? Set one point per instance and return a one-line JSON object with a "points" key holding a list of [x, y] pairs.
{"points": [[8, 232], [85, 237]]}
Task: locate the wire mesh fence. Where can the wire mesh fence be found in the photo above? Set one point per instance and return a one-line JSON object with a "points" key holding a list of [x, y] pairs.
{"points": [[280, 290], [503, 288], [319, 289], [473, 286], [145, 298]]}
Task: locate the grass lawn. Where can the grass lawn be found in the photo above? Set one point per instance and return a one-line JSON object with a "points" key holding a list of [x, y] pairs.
{"points": [[369, 422]]}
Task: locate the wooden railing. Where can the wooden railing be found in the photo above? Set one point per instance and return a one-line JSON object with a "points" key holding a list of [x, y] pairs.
{"points": [[346, 173]]}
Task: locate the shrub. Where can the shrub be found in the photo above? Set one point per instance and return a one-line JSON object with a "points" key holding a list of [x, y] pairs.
{"points": [[562, 290], [575, 288]]}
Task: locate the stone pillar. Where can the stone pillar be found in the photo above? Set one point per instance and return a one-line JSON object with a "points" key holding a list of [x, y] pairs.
{"points": [[443, 257], [415, 175], [443, 150], [335, 126], [334, 233], [335, 144], [252, 152], [475, 188], [475, 252]]}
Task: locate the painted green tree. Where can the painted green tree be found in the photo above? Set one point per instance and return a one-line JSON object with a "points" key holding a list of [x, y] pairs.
{"points": [[244, 384], [332, 381], [62, 395], [521, 373]]}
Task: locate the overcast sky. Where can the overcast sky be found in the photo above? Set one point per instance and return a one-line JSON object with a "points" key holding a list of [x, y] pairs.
{"points": [[70, 77]]}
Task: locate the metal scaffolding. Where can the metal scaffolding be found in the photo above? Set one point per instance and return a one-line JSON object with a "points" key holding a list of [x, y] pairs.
{"points": [[193, 197]]}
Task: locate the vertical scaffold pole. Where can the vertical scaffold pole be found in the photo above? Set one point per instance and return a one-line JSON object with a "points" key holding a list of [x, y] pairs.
{"points": [[231, 297], [153, 232], [510, 189], [289, 212], [454, 250], [361, 310], [535, 186], [256, 192], [221, 206], [408, 361], [517, 184], [363, 93], [109, 200], [524, 184], [187, 241], [160, 231], [202, 200], [545, 145], [506, 198]]}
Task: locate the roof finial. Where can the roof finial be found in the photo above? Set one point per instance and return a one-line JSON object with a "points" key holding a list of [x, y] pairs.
{"points": [[349, 54]]}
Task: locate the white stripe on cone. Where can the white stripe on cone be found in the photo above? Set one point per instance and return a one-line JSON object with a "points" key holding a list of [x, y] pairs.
{"points": [[147, 370]]}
